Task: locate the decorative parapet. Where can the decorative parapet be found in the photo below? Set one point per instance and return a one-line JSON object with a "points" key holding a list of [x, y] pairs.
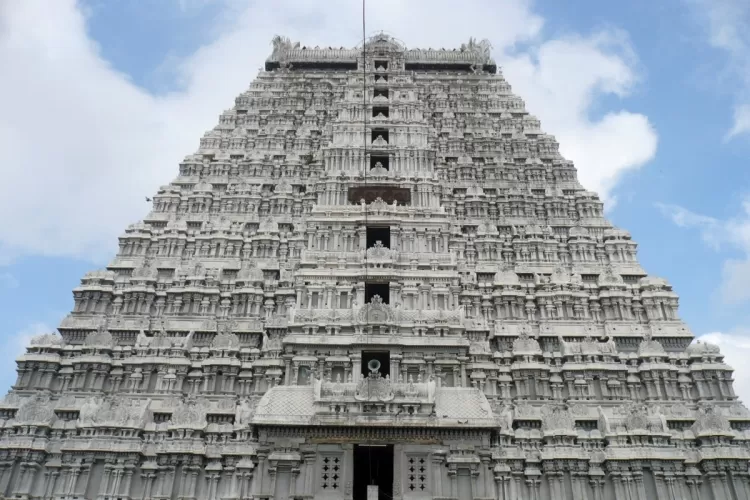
{"points": [[377, 208], [473, 53], [48, 340], [374, 401], [710, 422], [375, 388], [376, 312], [379, 256], [114, 411]]}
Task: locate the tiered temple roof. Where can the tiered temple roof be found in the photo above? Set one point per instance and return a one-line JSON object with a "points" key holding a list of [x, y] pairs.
{"points": [[374, 246]]}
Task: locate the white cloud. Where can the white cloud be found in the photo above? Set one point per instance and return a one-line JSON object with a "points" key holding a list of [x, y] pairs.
{"points": [[560, 79], [736, 351], [726, 22], [741, 120], [712, 230], [82, 145], [732, 234]]}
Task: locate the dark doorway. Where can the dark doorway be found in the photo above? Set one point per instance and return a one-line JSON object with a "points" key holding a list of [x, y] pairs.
{"points": [[373, 464], [380, 111], [378, 233], [380, 289], [381, 93], [384, 357], [381, 65]]}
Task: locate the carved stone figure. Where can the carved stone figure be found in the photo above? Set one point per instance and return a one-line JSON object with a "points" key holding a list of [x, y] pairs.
{"points": [[244, 413]]}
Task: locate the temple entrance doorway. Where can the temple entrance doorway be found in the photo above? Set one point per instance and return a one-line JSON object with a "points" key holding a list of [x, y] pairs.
{"points": [[373, 464]]}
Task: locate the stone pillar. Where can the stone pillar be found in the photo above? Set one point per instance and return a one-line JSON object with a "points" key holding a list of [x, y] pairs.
{"points": [[165, 481], [309, 461], [502, 485], [638, 486], [287, 370], [398, 452], [740, 483], [661, 486], [104, 489], [578, 485], [348, 469], [395, 365], [674, 488], [489, 483], [115, 480], [693, 486], [724, 481], [148, 484], [619, 486], [597, 486], [437, 473], [31, 470], [555, 481], [453, 479], [50, 481]]}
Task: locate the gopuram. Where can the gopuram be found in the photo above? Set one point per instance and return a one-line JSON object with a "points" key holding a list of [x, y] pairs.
{"points": [[376, 279]]}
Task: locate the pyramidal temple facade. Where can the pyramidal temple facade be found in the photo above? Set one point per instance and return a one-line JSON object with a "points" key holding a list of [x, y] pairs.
{"points": [[377, 278]]}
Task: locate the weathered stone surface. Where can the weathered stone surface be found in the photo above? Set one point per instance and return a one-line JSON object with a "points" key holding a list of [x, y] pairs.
{"points": [[523, 352]]}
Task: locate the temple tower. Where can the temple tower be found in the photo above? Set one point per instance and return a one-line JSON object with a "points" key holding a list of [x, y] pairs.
{"points": [[376, 278]]}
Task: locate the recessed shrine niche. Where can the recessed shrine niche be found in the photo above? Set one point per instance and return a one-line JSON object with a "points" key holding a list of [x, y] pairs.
{"points": [[380, 289], [379, 133], [380, 161], [377, 234], [379, 359], [381, 65]]}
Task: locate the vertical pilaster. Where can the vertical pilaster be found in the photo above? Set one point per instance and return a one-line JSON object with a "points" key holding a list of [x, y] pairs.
{"points": [[348, 469], [398, 457]]}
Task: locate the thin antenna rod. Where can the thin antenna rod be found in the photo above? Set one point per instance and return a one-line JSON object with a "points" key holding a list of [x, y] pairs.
{"points": [[364, 168], [364, 133], [364, 117]]}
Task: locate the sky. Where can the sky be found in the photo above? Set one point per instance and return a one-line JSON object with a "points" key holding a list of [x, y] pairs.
{"points": [[101, 99]]}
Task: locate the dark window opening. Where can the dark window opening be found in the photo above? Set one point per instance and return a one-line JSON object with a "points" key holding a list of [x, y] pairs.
{"points": [[373, 359], [387, 193], [382, 160], [379, 133], [454, 67], [303, 375], [381, 79], [72, 415], [152, 381], [373, 466], [381, 65], [380, 110], [382, 290], [381, 93], [312, 65], [378, 233], [160, 418]]}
